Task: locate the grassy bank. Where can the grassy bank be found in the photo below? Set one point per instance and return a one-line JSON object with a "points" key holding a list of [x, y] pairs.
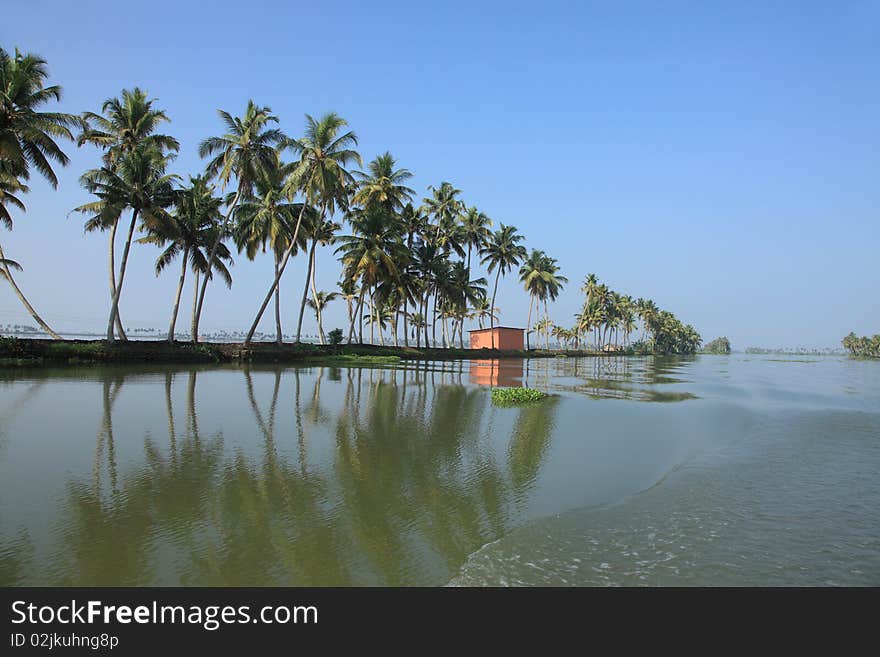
{"points": [[24, 351]]}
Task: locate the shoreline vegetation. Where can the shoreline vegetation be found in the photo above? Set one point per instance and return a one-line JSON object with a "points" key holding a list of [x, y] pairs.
{"points": [[16, 352], [413, 272], [862, 347]]}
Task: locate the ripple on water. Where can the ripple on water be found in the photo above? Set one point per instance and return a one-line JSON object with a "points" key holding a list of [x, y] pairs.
{"points": [[796, 503]]}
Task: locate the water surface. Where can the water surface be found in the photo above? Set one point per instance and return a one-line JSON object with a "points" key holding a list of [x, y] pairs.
{"points": [[708, 470]]}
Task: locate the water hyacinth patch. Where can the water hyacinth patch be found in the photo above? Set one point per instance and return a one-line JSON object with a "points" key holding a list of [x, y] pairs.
{"points": [[516, 396]]}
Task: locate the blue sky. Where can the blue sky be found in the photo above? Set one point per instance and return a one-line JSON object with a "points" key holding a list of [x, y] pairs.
{"points": [[719, 158]]}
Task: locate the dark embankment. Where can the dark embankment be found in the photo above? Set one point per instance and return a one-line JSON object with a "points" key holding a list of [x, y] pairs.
{"points": [[24, 351]]}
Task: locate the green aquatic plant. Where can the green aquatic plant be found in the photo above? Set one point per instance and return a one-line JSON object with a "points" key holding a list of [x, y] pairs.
{"points": [[516, 396]]}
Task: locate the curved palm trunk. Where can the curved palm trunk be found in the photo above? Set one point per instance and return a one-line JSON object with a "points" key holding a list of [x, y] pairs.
{"points": [[23, 299], [115, 307], [492, 309], [194, 323], [211, 255], [302, 305], [113, 276], [278, 275], [278, 335], [177, 296]]}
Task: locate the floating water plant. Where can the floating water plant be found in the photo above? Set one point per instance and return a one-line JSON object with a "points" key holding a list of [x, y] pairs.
{"points": [[516, 396]]}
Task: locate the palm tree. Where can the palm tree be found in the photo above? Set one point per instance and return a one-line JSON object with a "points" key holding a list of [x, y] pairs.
{"points": [[27, 140], [544, 325], [370, 255], [124, 124], [189, 232], [383, 185], [460, 293], [444, 205], [481, 310], [321, 235], [318, 302], [136, 182], [475, 231], [243, 153], [531, 276], [320, 176], [502, 252], [350, 291], [266, 219]]}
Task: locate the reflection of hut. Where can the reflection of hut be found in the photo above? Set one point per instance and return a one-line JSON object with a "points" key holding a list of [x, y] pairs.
{"points": [[506, 337], [506, 373]]}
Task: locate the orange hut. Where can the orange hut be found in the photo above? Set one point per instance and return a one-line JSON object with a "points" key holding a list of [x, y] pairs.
{"points": [[506, 337]]}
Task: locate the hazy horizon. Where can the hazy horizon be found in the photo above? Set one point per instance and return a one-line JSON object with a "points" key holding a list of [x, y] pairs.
{"points": [[720, 161]]}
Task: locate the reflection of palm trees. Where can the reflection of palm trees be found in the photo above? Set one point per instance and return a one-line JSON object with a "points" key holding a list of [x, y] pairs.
{"points": [[412, 488], [529, 443]]}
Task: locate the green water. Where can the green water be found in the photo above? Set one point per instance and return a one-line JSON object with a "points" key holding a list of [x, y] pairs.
{"points": [[709, 470]]}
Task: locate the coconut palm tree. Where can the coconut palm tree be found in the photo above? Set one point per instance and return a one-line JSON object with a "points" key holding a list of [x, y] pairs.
{"points": [[266, 219], [462, 293], [481, 310], [320, 235], [502, 253], [531, 276], [189, 232], [350, 292], [444, 205], [124, 124], [383, 185], [320, 175], [475, 231], [371, 254], [28, 140], [318, 302], [242, 154], [137, 182]]}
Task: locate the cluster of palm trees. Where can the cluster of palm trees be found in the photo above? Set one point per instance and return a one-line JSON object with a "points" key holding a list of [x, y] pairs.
{"points": [[406, 266], [610, 318], [862, 347]]}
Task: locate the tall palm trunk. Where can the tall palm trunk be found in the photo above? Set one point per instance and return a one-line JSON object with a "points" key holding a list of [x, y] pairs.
{"points": [[278, 334], [405, 318], [194, 324], [174, 310], [114, 309], [302, 304], [372, 318], [425, 315], [23, 299], [492, 309], [284, 260], [434, 320], [113, 276], [318, 307], [211, 255], [529, 320]]}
